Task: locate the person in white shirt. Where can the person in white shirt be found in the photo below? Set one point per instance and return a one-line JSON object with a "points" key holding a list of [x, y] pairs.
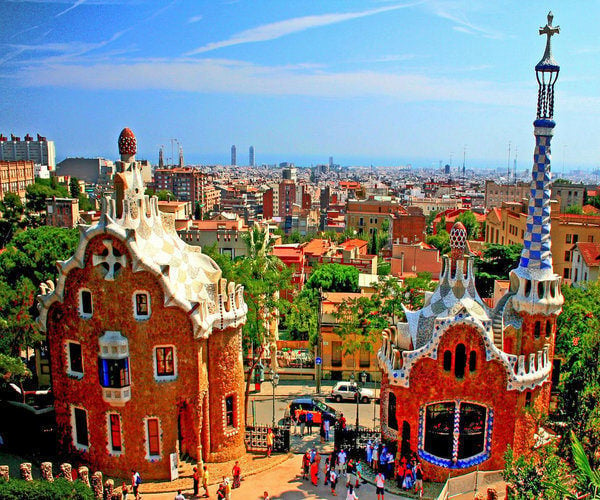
{"points": [[341, 463], [379, 485], [179, 495], [351, 495]]}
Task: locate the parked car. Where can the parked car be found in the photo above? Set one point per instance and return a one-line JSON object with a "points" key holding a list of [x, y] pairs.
{"points": [[348, 390], [318, 408]]}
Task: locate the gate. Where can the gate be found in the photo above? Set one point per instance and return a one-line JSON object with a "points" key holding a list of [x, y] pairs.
{"points": [[355, 444], [256, 438]]}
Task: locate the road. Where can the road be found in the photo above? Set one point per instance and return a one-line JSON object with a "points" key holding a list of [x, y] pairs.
{"points": [[286, 391]]}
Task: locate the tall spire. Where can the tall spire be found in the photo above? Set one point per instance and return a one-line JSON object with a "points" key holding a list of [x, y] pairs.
{"points": [[536, 285]]}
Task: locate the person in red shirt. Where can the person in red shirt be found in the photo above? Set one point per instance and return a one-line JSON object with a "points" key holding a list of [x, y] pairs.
{"points": [[236, 472]]}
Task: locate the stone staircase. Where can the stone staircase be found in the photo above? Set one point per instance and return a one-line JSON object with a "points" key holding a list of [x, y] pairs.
{"points": [[498, 320]]}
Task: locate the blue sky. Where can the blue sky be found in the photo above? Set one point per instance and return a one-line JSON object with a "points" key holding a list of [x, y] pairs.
{"points": [[380, 82]]}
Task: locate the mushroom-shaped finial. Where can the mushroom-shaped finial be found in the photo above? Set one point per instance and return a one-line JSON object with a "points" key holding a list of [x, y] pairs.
{"points": [[127, 143], [458, 241]]}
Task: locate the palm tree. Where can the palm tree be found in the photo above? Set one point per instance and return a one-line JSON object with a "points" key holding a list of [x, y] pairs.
{"points": [[263, 275]]}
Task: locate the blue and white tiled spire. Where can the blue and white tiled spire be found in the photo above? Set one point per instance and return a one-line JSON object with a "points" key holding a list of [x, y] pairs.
{"points": [[537, 287]]}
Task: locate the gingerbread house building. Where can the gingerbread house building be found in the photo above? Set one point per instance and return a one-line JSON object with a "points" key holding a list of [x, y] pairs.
{"points": [[462, 382], [144, 339]]}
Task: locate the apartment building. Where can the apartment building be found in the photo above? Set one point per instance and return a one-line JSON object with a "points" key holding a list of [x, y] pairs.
{"points": [[507, 225], [15, 176]]}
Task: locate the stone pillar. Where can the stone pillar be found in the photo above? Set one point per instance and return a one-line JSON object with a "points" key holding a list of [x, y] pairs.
{"points": [[109, 486], [84, 474], [46, 468], [97, 485], [4, 472], [66, 471], [26, 471]]}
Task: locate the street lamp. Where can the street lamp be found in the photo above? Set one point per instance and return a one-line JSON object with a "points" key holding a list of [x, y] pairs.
{"points": [[274, 381]]}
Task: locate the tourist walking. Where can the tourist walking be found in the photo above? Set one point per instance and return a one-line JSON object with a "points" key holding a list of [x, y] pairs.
{"points": [[196, 479], [236, 472], [179, 495], [305, 464], [380, 485], [341, 462], [326, 426], [314, 473], [418, 479], [333, 477], [369, 452], [309, 421], [351, 494], [136, 480], [227, 487], [326, 470], [375, 458], [269, 442], [205, 480], [124, 491], [302, 420]]}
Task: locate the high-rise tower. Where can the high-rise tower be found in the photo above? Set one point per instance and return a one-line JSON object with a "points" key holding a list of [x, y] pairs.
{"points": [[251, 156], [233, 155], [537, 297]]}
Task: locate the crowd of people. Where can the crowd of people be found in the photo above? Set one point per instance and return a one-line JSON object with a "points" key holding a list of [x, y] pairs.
{"points": [[407, 471]]}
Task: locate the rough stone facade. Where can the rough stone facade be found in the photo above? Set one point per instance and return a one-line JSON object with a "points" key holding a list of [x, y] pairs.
{"points": [[108, 352]]}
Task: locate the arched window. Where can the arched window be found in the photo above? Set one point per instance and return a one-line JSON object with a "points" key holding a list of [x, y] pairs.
{"points": [[439, 425], [537, 329], [548, 328], [527, 288], [460, 361], [540, 290], [472, 361], [442, 446], [392, 420], [472, 430], [447, 360]]}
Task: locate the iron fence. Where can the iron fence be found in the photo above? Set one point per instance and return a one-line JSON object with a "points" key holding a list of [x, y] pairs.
{"points": [[256, 438]]}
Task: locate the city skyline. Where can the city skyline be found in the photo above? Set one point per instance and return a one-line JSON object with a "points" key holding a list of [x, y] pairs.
{"points": [[387, 83]]}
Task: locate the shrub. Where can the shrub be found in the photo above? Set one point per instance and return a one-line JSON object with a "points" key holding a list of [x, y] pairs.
{"points": [[60, 489]]}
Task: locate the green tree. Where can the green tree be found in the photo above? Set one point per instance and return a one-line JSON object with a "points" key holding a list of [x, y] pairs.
{"points": [[165, 195], [74, 188], [441, 241], [37, 193], [574, 209], [578, 344], [334, 278], [495, 263], [84, 202], [413, 290], [12, 213], [263, 276], [429, 222], [469, 220], [197, 211], [359, 324], [223, 261], [302, 319], [441, 225], [32, 254], [529, 477]]}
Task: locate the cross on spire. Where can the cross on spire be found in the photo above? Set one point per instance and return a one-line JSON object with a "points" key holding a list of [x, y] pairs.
{"points": [[549, 31]]}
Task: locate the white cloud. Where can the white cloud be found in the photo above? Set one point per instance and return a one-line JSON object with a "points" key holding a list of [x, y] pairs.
{"points": [[75, 5], [227, 76], [278, 29], [194, 19], [455, 11]]}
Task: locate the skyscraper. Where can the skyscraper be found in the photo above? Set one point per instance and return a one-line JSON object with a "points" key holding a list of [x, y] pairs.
{"points": [[251, 156], [233, 155]]}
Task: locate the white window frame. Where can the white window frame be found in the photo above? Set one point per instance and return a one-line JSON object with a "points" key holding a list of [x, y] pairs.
{"points": [[109, 445], [152, 458], [82, 314], [229, 430], [164, 378], [77, 445], [141, 317], [70, 370]]}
